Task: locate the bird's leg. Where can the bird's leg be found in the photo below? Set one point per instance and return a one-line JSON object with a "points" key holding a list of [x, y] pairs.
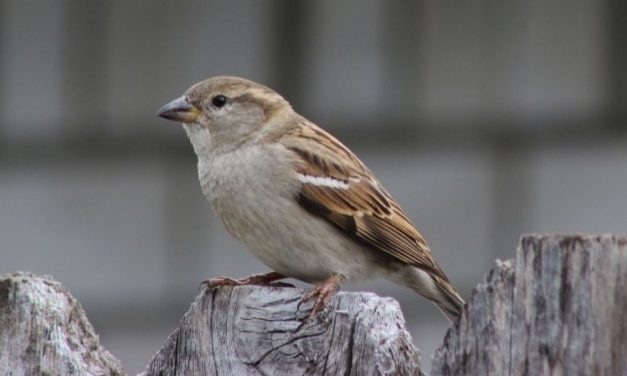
{"points": [[257, 279], [323, 293]]}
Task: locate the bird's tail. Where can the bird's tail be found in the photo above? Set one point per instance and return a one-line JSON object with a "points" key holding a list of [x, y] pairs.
{"points": [[449, 302], [433, 287]]}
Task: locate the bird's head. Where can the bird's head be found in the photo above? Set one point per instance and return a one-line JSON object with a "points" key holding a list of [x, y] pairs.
{"points": [[222, 112]]}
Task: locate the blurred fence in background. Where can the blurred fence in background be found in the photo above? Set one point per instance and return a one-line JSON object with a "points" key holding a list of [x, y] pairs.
{"points": [[484, 119]]}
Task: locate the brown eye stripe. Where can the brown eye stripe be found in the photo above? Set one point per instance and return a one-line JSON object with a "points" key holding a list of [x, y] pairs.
{"points": [[269, 106]]}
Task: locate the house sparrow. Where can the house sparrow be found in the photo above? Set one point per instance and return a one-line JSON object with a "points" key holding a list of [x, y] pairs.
{"points": [[299, 199]]}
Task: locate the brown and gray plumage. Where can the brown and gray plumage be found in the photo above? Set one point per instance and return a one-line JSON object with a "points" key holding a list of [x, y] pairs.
{"points": [[299, 199]]}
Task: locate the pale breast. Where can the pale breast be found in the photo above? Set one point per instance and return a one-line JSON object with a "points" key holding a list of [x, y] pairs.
{"points": [[253, 192], [243, 178]]}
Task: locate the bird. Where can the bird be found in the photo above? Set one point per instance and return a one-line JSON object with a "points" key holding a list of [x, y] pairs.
{"points": [[298, 198]]}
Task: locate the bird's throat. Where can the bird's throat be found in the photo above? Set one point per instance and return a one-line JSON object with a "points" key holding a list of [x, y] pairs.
{"points": [[200, 138]]}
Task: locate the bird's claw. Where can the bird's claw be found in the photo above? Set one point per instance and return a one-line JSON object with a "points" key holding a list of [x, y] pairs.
{"points": [[267, 279], [220, 281], [322, 294], [280, 284]]}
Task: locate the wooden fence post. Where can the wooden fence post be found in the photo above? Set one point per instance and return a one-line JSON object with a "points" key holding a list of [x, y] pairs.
{"points": [[44, 331], [560, 308], [262, 332]]}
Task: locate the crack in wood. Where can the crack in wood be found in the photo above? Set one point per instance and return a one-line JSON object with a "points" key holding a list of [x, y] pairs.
{"points": [[351, 346], [212, 331], [288, 342]]}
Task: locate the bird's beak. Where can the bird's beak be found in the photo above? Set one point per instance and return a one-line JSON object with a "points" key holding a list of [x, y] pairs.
{"points": [[179, 110]]}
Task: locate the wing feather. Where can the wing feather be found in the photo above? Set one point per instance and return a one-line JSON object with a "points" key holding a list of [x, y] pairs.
{"points": [[361, 208]]}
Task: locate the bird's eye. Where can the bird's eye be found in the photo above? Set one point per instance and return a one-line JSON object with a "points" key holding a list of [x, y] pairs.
{"points": [[219, 101]]}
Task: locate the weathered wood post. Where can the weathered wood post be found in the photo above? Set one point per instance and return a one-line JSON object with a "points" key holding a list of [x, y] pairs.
{"points": [[560, 308], [227, 331], [44, 331], [262, 332]]}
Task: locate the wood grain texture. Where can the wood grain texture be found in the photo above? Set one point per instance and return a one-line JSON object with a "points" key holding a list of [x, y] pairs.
{"points": [[260, 331], [560, 309], [44, 331]]}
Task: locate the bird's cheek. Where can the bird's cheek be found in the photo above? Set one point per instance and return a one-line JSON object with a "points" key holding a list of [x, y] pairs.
{"points": [[199, 137], [206, 121]]}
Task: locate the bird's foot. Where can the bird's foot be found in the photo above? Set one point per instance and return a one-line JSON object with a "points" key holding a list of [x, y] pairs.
{"points": [[322, 294], [257, 279]]}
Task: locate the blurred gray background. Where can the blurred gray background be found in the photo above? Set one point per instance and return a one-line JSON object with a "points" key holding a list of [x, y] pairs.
{"points": [[485, 119]]}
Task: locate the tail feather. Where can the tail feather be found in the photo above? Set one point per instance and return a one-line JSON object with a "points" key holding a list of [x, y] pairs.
{"points": [[435, 288], [450, 302]]}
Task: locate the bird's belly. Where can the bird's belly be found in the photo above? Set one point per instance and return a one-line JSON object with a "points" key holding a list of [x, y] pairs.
{"points": [[308, 249], [259, 208]]}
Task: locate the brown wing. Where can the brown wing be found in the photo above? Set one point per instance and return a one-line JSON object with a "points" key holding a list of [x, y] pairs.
{"points": [[353, 200]]}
